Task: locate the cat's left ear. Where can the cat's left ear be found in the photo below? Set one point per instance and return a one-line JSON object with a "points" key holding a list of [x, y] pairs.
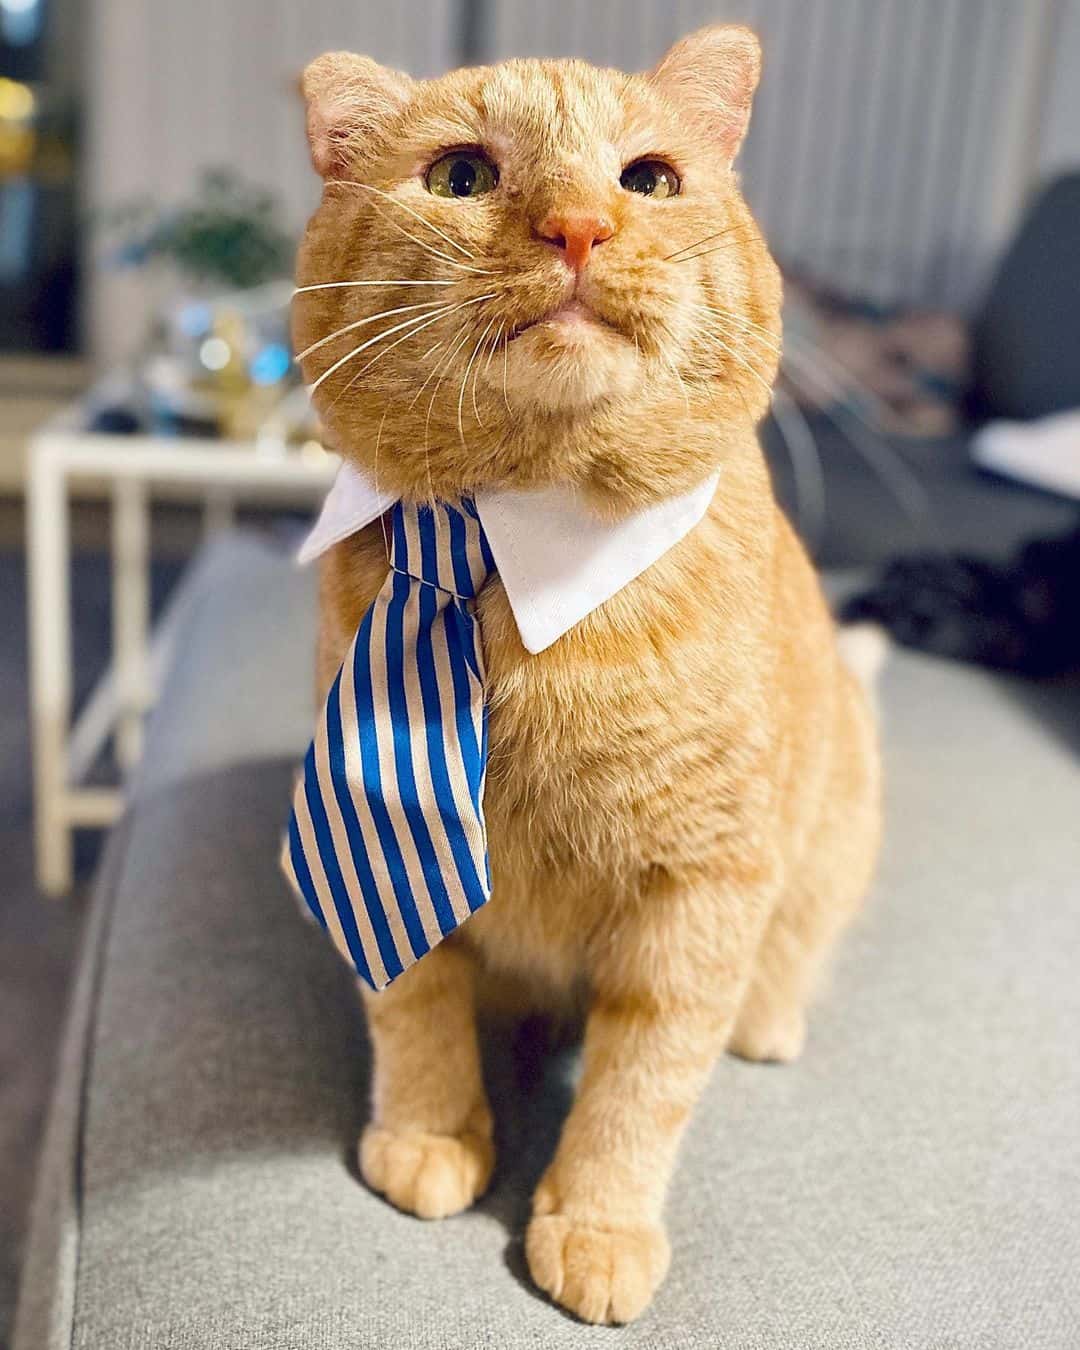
{"points": [[350, 100], [711, 75]]}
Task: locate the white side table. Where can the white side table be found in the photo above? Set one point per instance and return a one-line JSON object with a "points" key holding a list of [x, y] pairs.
{"points": [[132, 469]]}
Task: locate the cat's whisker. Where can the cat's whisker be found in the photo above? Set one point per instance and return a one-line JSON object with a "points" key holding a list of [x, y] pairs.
{"points": [[798, 439], [750, 323], [670, 364], [767, 353], [362, 323], [392, 281], [494, 347], [455, 344], [742, 361], [459, 343], [375, 476], [865, 439], [802, 451], [367, 187], [836, 372], [720, 248], [476, 372], [682, 383], [437, 252], [436, 367], [430, 248], [412, 404], [756, 333], [464, 382], [734, 323], [698, 242], [431, 351], [724, 324], [506, 363], [802, 369], [770, 345], [363, 346], [715, 318], [386, 350], [416, 323]]}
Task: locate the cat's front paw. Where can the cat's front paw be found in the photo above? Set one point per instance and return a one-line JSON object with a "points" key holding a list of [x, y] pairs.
{"points": [[429, 1175], [600, 1273]]}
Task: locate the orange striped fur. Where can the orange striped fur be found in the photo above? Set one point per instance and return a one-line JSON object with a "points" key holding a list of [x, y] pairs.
{"points": [[682, 795]]}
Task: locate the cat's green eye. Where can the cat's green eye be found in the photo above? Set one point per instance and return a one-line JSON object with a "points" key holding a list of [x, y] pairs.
{"points": [[462, 173], [652, 178]]}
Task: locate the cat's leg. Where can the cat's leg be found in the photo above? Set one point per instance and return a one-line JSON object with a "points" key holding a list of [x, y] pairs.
{"points": [[810, 917], [664, 998], [771, 1025], [429, 1147], [826, 889]]}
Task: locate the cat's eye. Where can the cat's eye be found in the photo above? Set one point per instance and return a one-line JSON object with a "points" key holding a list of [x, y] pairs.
{"points": [[652, 178], [462, 173]]}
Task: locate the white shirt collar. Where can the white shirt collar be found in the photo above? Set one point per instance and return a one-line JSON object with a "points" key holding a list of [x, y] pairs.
{"points": [[556, 560]]}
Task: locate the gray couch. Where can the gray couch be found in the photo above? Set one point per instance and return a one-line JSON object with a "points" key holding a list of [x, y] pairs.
{"points": [[914, 1181]]}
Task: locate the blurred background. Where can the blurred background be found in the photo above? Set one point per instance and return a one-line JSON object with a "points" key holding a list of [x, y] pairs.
{"points": [[915, 165], [152, 160]]}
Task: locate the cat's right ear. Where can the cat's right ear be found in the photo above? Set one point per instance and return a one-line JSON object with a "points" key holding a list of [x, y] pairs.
{"points": [[349, 101], [712, 75]]}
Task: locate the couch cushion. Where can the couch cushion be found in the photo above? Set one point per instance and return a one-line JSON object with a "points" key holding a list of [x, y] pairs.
{"points": [[914, 1181], [241, 684]]}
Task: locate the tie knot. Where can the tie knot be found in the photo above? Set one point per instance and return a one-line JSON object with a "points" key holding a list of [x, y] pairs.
{"points": [[443, 545]]}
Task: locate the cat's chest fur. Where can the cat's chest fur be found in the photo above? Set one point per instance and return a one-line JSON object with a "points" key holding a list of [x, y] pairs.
{"points": [[616, 755]]}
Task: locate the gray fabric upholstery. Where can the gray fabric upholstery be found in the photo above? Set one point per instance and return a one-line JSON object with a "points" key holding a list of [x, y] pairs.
{"points": [[241, 684], [914, 1181]]}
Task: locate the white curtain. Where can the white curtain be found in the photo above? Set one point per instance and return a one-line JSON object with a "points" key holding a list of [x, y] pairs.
{"points": [[179, 85], [893, 141]]}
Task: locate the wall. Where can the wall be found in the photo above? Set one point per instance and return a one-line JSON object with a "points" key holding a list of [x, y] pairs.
{"points": [[1059, 141], [892, 140], [892, 146], [180, 84]]}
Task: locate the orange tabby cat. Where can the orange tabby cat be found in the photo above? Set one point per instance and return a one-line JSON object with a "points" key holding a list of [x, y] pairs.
{"points": [[682, 794]]}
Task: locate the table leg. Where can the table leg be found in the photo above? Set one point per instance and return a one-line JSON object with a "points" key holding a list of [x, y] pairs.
{"points": [[48, 561], [131, 614]]}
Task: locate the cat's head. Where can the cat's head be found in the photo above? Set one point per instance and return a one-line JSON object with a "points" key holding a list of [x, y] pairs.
{"points": [[537, 271]]}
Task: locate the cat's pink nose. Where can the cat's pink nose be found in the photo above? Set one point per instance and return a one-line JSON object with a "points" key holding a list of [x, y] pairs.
{"points": [[576, 233]]}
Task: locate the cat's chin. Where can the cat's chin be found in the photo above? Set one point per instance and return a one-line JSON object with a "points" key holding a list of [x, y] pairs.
{"points": [[568, 363]]}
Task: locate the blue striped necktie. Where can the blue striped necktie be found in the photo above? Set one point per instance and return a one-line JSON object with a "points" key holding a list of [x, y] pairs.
{"points": [[386, 841]]}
